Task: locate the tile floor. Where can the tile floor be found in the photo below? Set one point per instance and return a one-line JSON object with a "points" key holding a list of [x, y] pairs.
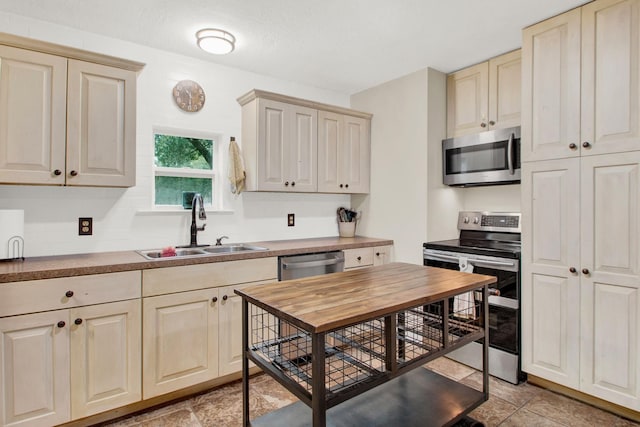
{"points": [[508, 405]]}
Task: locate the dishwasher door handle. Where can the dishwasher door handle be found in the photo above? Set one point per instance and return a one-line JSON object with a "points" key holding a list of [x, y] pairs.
{"points": [[309, 264]]}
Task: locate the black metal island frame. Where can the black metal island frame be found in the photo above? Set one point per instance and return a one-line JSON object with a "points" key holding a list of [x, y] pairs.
{"points": [[342, 343]]}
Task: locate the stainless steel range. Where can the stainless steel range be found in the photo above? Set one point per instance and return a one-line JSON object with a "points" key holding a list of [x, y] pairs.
{"points": [[489, 243]]}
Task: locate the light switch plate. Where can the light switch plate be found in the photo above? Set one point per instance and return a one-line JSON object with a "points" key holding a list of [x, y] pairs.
{"points": [[291, 220]]}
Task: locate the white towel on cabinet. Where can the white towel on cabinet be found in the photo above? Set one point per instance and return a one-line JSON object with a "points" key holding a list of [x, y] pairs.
{"points": [[464, 304]]}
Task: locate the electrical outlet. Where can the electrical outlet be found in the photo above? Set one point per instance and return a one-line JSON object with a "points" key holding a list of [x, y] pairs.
{"points": [[85, 226], [291, 220]]}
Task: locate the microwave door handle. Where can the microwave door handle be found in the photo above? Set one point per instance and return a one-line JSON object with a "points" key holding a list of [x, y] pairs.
{"points": [[510, 154]]}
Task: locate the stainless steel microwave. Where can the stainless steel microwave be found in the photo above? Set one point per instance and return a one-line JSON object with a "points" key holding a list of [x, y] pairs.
{"points": [[486, 158]]}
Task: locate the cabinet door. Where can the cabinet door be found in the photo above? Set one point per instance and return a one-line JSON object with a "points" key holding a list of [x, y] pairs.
{"points": [[344, 153], [302, 147], [101, 123], [105, 357], [230, 324], [330, 134], [180, 341], [287, 147], [468, 100], [610, 323], [611, 76], [550, 291], [505, 77], [34, 357], [355, 155], [33, 96], [551, 88], [382, 255], [272, 150]]}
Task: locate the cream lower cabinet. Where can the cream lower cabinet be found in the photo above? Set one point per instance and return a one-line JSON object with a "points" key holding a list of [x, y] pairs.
{"points": [[581, 274], [193, 336], [68, 363], [382, 255], [180, 340], [106, 343], [35, 366]]}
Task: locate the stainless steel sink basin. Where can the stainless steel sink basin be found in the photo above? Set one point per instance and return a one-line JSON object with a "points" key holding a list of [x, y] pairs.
{"points": [[194, 252], [225, 249]]}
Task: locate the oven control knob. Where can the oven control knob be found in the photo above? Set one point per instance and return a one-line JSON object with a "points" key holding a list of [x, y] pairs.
{"points": [[466, 220], [476, 220]]}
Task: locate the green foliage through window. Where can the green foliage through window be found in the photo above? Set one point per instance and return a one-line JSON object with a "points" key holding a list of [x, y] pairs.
{"points": [[183, 164]]}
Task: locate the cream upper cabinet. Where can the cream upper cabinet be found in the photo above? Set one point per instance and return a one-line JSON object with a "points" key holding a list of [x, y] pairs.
{"points": [[33, 94], [101, 125], [344, 153], [65, 121], [581, 82], [34, 357], [485, 96], [610, 77], [280, 146], [551, 88], [295, 145]]}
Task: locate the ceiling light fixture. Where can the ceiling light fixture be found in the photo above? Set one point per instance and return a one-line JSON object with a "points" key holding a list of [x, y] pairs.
{"points": [[218, 42]]}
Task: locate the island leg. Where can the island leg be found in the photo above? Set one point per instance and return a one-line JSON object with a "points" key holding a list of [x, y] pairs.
{"points": [[318, 389], [485, 342], [245, 363]]}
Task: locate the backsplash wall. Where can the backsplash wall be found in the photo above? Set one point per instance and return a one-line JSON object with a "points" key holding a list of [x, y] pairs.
{"points": [[123, 218]]}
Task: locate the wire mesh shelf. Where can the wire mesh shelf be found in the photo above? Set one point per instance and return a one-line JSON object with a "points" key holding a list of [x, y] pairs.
{"points": [[361, 353]]}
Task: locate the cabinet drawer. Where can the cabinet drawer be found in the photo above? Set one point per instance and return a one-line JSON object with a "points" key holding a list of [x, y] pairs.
{"points": [[358, 257], [167, 280], [51, 294]]}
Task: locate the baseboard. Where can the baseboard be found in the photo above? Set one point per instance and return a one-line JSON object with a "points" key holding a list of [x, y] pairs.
{"points": [[583, 397]]}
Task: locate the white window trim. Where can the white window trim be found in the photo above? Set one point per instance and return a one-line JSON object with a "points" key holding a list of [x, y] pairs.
{"points": [[215, 174]]}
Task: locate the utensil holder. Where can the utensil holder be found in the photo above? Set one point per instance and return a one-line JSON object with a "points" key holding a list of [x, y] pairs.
{"points": [[347, 229]]}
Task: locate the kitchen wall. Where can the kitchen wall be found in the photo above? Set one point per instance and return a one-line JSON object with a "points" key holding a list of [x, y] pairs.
{"points": [[408, 201], [123, 218]]}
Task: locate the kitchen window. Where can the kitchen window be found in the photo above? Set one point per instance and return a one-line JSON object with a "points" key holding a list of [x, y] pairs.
{"points": [[185, 162]]}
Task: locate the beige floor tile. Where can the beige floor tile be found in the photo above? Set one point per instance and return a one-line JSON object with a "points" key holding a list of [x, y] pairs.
{"points": [[525, 418], [492, 412], [450, 368], [568, 411], [517, 395], [623, 422], [181, 417]]}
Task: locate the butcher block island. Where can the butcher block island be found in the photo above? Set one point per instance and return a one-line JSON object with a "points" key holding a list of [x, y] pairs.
{"points": [[343, 342]]}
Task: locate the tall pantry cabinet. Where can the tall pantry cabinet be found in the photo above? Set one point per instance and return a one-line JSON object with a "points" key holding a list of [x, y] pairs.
{"points": [[581, 204]]}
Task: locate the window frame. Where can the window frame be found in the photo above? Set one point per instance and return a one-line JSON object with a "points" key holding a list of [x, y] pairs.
{"points": [[215, 173]]}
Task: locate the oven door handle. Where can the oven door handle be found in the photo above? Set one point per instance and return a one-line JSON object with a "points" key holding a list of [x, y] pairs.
{"points": [[510, 154], [442, 257]]}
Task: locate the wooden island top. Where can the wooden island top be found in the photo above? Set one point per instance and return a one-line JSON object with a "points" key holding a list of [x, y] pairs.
{"points": [[323, 303]]}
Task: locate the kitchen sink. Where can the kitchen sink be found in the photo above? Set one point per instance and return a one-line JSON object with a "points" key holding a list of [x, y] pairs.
{"points": [[225, 249], [195, 252]]}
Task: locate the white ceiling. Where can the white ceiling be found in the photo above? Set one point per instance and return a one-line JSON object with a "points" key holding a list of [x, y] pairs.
{"points": [[341, 45]]}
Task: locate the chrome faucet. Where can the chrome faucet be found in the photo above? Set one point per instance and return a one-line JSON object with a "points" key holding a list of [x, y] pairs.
{"points": [[197, 198]]}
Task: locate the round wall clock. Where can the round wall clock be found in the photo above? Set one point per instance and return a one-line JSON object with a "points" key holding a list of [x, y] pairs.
{"points": [[189, 95]]}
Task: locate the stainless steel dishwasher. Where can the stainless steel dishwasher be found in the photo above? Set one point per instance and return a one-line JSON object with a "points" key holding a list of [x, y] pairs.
{"points": [[299, 266]]}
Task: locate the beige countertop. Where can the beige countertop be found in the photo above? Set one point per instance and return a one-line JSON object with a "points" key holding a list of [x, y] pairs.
{"points": [[108, 262]]}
